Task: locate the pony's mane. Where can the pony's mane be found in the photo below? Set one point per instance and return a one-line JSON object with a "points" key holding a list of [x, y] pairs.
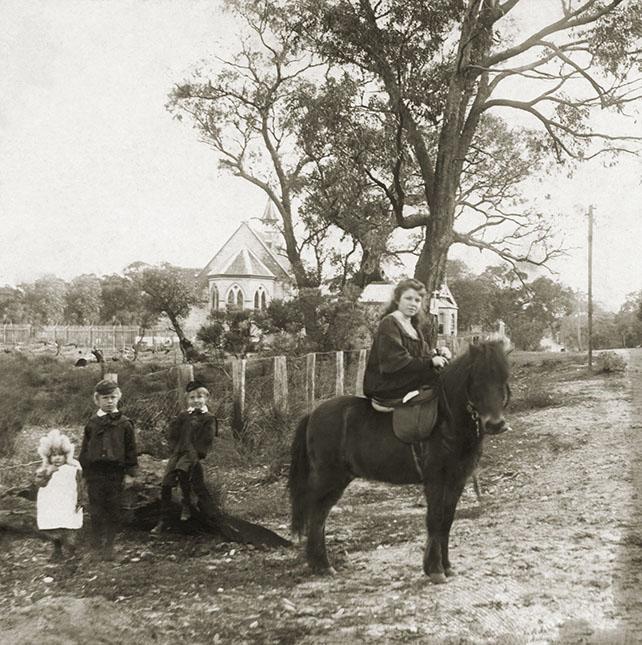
{"points": [[488, 355]]}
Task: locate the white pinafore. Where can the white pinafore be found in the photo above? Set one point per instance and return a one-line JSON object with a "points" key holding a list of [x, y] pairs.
{"points": [[56, 503]]}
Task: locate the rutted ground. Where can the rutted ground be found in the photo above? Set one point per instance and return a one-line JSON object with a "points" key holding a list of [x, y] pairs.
{"points": [[554, 555]]}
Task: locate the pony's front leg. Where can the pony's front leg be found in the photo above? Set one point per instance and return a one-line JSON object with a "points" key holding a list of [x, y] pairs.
{"points": [[452, 494], [433, 556]]}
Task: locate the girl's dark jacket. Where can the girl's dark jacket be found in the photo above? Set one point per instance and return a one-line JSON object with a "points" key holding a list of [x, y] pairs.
{"points": [[398, 363]]}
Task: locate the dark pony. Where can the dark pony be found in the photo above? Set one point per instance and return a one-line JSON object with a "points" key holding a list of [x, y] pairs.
{"points": [[345, 438]]}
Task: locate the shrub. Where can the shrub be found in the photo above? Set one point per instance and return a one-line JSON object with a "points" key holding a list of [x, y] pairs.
{"points": [[609, 362], [533, 398]]}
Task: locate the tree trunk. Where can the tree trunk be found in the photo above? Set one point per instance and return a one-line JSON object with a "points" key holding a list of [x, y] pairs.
{"points": [[186, 346], [431, 266]]}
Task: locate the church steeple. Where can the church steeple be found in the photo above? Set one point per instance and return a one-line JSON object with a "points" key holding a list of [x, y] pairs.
{"points": [[269, 228], [269, 216]]}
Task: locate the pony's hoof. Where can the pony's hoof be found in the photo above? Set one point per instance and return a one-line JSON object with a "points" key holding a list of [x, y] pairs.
{"points": [[450, 572], [438, 578], [324, 571]]}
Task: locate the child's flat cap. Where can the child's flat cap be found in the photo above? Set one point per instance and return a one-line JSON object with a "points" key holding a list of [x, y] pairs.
{"points": [[195, 385], [105, 387]]}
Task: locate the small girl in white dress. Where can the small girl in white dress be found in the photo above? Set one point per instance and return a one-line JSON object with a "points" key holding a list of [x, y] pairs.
{"points": [[59, 513]]}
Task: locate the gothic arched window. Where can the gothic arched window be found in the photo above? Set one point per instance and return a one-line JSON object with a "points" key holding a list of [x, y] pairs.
{"points": [[235, 297], [215, 299], [260, 299]]}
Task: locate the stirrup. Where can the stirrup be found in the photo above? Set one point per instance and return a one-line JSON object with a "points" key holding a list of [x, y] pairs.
{"points": [[379, 407]]}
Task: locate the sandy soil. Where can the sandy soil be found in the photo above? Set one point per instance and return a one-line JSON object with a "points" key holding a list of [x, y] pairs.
{"points": [[552, 555]]}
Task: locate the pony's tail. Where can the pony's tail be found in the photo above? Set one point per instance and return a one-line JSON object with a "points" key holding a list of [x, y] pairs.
{"points": [[298, 477]]}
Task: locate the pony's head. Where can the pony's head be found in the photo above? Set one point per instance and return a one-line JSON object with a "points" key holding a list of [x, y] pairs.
{"points": [[484, 371]]}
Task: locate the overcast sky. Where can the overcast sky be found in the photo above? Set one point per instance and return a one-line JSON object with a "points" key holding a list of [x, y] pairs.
{"points": [[95, 173]]}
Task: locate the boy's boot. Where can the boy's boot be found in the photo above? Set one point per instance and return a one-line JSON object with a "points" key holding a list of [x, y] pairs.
{"points": [[159, 528], [108, 550], [56, 555], [186, 513]]}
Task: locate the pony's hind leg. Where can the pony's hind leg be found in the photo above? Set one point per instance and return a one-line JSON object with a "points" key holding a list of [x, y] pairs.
{"points": [[315, 549]]}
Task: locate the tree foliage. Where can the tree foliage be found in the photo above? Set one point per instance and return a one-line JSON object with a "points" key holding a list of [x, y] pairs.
{"points": [[44, 300], [395, 115], [123, 302], [445, 72], [83, 300], [530, 310], [171, 291]]}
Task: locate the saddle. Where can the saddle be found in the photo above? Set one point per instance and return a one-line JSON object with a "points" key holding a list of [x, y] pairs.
{"points": [[414, 416]]}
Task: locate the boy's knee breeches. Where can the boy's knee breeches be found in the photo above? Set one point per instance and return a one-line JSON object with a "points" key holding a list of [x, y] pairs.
{"points": [[105, 492]]}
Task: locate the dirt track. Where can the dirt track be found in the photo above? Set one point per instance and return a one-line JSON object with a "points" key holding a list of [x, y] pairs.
{"points": [[554, 555]]}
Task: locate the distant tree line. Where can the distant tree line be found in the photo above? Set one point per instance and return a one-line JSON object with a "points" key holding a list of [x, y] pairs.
{"points": [[540, 308], [531, 310], [140, 296]]}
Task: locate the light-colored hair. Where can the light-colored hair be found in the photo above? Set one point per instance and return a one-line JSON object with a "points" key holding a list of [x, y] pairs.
{"points": [[401, 287], [55, 442]]}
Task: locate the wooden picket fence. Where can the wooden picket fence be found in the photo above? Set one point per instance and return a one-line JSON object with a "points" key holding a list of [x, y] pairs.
{"points": [[112, 337]]}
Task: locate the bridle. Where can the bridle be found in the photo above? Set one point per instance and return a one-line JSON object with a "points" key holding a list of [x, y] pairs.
{"points": [[474, 412]]}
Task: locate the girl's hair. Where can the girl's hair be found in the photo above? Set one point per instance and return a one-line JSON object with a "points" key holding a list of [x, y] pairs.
{"points": [[403, 286], [55, 442]]}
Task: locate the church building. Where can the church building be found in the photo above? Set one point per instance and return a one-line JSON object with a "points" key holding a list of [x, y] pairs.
{"points": [[250, 269]]}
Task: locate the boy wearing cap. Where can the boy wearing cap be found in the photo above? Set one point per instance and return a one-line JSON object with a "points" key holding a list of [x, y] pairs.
{"points": [[108, 457], [190, 436]]}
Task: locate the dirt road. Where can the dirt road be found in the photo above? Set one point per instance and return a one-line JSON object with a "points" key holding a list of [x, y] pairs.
{"points": [[554, 554]]}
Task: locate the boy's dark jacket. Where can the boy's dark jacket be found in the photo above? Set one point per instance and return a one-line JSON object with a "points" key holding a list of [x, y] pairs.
{"points": [[109, 439], [192, 431]]}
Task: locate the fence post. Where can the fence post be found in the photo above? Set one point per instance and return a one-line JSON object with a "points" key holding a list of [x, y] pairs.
{"points": [[184, 374], [113, 338], [361, 372], [280, 385], [310, 368], [238, 395], [339, 374], [91, 336]]}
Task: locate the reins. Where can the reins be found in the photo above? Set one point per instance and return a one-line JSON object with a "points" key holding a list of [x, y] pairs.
{"points": [[474, 415], [470, 408]]}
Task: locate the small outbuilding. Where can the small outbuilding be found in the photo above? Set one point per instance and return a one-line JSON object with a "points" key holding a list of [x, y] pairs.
{"points": [[442, 304]]}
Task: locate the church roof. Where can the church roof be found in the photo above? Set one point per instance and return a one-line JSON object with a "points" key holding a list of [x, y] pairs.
{"points": [[259, 260], [246, 263]]}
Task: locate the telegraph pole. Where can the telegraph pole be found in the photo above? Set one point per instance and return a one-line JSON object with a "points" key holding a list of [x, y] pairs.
{"points": [[590, 287]]}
